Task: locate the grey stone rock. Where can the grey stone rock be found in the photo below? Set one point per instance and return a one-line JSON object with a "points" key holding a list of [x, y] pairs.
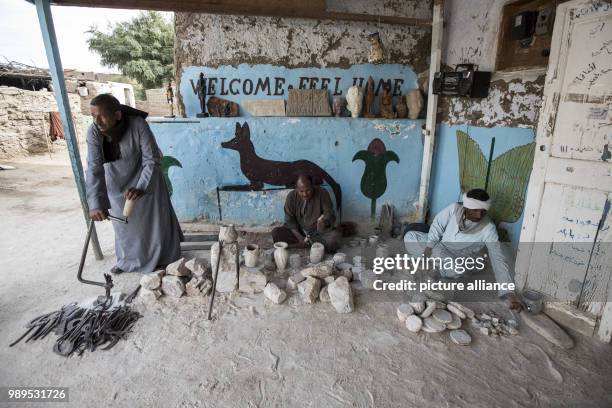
{"points": [[150, 282], [251, 280], [431, 325], [460, 337], [206, 287], [149, 296], [341, 295], [172, 286], [324, 295], [294, 280], [192, 288], [199, 267], [178, 268], [329, 279], [455, 323], [456, 311], [309, 289], [274, 293], [431, 307], [228, 266], [403, 311], [320, 270], [418, 306], [485, 330], [466, 310], [414, 323], [443, 316]]}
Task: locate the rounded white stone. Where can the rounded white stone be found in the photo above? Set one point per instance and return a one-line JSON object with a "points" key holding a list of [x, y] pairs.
{"points": [[418, 307], [455, 324], [414, 323], [456, 311], [403, 311], [443, 316], [460, 337], [431, 325]]}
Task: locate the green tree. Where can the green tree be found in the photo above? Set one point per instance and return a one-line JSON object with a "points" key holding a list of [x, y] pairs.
{"points": [[142, 48]]}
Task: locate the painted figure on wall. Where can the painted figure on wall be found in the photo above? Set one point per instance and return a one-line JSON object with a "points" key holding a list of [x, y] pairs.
{"points": [[505, 178], [374, 179], [261, 171]]}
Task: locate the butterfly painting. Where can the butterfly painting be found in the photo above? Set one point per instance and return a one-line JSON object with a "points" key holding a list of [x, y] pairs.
{"points": [[505, 178]]}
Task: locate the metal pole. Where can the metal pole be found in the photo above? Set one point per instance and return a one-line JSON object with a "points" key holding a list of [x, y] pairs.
{"points": [[47, 29]]}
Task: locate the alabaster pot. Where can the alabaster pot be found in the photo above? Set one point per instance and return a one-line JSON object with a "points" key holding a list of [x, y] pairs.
{"points": [[228, 234], [317, 250], [251, 255], [281, 255], [339, 257]]}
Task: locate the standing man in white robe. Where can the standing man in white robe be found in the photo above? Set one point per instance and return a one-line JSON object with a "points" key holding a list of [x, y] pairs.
{"points": [[123, 162], [463, 230]]}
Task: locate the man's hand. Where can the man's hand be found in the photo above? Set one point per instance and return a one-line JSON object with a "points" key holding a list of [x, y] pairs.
{"points": [[98, 215], [133, 194], [321, 223], [513, 302]]}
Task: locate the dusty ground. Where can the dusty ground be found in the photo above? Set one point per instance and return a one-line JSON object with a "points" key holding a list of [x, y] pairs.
{"points": [[253, 354]]}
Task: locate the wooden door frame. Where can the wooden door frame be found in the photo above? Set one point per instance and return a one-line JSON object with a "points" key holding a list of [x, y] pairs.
{"points": [[545, 130]]}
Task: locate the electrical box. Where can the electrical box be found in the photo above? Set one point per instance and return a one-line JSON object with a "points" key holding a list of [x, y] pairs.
{"points": [[523, 25]]}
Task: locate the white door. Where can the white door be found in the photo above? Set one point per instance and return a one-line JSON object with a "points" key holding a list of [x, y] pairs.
{"points": [[567, 211]]}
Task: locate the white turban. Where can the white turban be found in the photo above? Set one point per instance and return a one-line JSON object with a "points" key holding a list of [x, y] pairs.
{"points": [[474, 204]]}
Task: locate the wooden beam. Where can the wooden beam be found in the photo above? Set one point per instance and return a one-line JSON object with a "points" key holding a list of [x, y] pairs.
{"points": [[437, 31], [63, 105], [313, 9]]}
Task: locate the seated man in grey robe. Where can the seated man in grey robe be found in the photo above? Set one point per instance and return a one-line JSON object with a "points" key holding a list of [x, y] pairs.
{"points": [[123, 162], [463, 230], [309, 217]]}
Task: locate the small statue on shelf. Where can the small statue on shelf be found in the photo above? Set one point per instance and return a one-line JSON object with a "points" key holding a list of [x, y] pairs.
{"points": [[415, 103], [170, 98], [401, 108], [354, 99], [200, 90], [386, 102], [376, 49], [368, 108], [339, 106]]}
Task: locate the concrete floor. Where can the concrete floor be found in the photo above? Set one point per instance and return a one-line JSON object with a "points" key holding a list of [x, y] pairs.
{"points": [[253, 354]]}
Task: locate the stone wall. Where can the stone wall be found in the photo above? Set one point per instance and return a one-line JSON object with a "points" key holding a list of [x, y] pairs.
{"points": [[21, 120], [205, 40]]}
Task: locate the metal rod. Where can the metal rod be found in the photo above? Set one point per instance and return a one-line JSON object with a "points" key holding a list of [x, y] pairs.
{"points": [[109, 282], [47, 28], [118, 219], [214, 288], [219, 204]]}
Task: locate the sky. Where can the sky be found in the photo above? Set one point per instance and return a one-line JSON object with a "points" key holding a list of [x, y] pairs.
{"points": [[21, 39]]}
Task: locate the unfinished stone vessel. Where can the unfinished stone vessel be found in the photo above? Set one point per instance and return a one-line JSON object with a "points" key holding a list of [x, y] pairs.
{"points": [[317, 250], [354, 99], [281, 255], [251, 255], [228, 234], [401, 108]]}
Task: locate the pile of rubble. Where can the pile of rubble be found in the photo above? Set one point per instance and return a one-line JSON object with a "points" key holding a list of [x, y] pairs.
{"points": [[434, 316], [327, 281], [192, 277]]}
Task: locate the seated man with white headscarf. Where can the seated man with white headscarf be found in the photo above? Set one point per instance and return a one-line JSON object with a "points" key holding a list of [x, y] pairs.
{"points": [[463, 230]]}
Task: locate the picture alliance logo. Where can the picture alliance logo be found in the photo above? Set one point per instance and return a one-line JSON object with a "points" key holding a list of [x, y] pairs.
{"points": [[410, 264]]}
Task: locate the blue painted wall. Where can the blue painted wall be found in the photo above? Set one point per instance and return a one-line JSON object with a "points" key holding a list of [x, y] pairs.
{"points": [[444, 182], [329, 142], [240, 82]]}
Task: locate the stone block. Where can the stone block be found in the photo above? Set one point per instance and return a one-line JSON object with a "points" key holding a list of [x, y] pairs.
{"points": [[309, 289], [320, 270], [251, 280], [178, 268], [341, 295], [173, 286], [264, 107], [150, 281], [274, 293]]}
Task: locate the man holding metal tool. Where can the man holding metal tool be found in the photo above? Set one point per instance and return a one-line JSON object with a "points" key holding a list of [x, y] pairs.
{"points": [[123, 163]]}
